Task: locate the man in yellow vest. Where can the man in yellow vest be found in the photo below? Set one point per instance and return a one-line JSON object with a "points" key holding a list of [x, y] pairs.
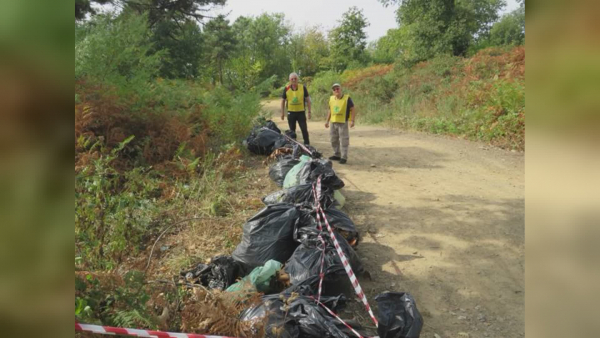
{"points": [[297, 97], [341, 108]]}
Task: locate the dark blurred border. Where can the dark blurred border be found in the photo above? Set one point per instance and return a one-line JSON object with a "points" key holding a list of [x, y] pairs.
{"points": [[36, 168], [562, 168]]}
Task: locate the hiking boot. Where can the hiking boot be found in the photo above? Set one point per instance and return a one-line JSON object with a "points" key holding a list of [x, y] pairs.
{"points": [[334, 158], [343, 161]]}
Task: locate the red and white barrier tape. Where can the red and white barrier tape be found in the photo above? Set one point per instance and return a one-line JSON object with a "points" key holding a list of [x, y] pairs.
{"points": [[317, 196], [338, 318], [345, 263], [109, 330]]}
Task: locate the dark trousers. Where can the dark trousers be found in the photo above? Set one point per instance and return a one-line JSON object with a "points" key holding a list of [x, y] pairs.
{"points": [[301, 118]]}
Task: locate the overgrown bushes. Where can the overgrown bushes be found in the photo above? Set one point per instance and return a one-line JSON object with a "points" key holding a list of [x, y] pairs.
{"points": [[479, 98], [144, 145]]}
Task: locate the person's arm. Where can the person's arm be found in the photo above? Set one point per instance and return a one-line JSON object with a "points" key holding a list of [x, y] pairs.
{"points": [[328, 118], [352, 117]]}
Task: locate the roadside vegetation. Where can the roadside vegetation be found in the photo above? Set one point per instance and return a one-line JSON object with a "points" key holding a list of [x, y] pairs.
{"points": [[479, 98], [164, 96]]}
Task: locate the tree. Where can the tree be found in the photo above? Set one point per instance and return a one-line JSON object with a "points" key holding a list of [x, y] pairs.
{"points": [[268, 41], [307, 50], [220, 41], [436, 27], [348, 41], [117, 51], [184, 45], [83, 7], [263, 49], [389, 47], [510, 30], [158, 10]]}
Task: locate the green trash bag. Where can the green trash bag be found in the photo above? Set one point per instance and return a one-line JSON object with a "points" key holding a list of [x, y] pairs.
{"points": [[291, 179], [339, 198], [259, 278]]}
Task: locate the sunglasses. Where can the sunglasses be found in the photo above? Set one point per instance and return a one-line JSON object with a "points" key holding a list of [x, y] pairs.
{"points": [[336, 89]]}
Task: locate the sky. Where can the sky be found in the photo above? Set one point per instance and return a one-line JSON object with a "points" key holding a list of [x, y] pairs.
{"points": [[325, 13]]}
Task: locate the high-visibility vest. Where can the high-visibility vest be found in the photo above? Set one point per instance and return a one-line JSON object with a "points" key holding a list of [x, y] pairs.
{"points": [[338, 108], [295, 98]]}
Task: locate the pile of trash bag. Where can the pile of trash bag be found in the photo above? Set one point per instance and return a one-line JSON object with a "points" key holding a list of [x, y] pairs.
{"points": [[281, 255]]}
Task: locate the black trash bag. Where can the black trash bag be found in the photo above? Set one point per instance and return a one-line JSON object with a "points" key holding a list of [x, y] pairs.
{"points": [[335, 281], [283, 143], [315, 153], [278, 170], [262, 141], [306, 259], [343, 224], [291, 134], [270, 235], [303, 194], [329, 178], [300, 194], [315, 168], [398, 316], [298, 316], [273, 126], [222, 272]]}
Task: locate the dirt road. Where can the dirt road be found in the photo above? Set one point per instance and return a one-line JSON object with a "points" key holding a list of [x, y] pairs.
{"points": [[442, 219]]}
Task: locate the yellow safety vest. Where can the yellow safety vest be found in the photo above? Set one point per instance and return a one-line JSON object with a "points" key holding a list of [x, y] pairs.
{"points": [[338, 108], [295, 98]]}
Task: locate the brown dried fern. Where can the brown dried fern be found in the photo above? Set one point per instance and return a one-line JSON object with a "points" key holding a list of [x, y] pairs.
{"points": [[218, 313]]}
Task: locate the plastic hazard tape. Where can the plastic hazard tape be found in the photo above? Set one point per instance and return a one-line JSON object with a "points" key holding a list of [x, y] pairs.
{"points": [[355, 284], [339, 319], [317, 196], [109, 330]]}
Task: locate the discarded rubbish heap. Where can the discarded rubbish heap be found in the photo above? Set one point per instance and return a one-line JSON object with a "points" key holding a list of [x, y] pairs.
{"points": [[299, 252]]}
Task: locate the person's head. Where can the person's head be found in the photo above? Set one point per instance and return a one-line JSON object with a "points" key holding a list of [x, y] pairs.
{"points": [[337, 89], [294, 78]]}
